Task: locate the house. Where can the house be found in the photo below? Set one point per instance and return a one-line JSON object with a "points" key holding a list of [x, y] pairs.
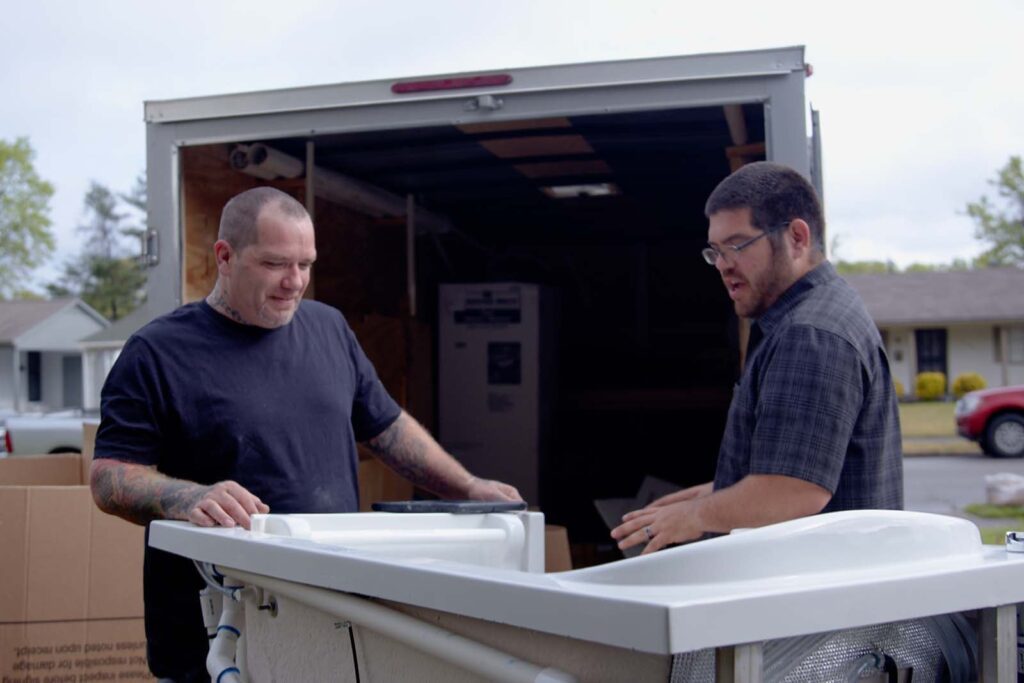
{"points": [[101, 349], [40, 359], [951, 322]]}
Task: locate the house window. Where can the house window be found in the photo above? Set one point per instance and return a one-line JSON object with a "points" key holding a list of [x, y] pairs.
{"points": [[1014, 344], [35, 376]]}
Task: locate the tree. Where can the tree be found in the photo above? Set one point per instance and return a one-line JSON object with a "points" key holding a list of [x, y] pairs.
{"points": [[954, 265], [865, 267], [1001, 224], [25, 237], [102, 230], [136, 199], [103, 275]]}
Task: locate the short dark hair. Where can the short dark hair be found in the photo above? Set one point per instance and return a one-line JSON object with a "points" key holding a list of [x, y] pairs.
{"points": [[775, 194], [238, 219]]}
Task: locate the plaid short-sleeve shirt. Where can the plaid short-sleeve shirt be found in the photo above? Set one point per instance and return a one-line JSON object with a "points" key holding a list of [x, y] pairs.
{"points": [[816, 400]]}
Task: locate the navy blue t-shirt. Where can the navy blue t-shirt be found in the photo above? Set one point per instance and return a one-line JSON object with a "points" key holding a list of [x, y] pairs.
{"points": [[204, 398]]}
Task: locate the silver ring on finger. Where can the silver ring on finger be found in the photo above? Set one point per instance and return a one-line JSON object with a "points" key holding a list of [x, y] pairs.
{"points": [[648, 532]]}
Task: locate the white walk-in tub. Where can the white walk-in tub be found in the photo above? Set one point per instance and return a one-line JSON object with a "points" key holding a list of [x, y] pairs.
{"points": [[381, 596]]}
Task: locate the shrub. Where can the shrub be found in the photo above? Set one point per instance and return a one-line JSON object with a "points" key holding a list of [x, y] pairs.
{"points": [[898, 386], [931, 386], [967, 381]]}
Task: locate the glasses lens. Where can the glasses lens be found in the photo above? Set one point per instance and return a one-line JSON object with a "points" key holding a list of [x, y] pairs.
{"points": [[710, 255]]}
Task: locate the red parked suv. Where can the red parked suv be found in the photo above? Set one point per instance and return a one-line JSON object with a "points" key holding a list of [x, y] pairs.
{"points": [[995, 419]]}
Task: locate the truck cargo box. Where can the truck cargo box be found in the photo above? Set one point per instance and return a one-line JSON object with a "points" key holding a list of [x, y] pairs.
{"points": [[588, 180]]}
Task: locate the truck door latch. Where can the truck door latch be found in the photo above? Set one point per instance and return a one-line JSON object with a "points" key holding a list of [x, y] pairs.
{"points": [[484, 103], [150, 254]]}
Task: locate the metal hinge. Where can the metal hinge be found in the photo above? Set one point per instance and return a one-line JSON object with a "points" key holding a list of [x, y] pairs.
{"points": [[484, 103]]}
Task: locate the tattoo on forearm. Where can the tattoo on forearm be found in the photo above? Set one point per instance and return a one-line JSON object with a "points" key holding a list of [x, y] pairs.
{"points": [[398, 448], [141, 494]]}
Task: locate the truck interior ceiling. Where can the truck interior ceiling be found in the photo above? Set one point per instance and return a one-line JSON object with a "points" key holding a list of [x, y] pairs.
{"points": [[604, 210]]}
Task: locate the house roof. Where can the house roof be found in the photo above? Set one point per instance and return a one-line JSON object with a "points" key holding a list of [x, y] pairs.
{"points": [[118, 332], [19, 316], [984, 295]]}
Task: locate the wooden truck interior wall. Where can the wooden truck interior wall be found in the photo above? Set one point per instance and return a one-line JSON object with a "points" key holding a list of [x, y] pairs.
{"points": [[648, 346], [360, 270]]}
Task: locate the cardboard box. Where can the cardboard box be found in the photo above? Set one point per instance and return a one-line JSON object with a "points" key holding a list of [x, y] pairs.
{"points": [[70, 578], [556, 549]]}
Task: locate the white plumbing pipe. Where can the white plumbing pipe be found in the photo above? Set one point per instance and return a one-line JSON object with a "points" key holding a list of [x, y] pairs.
{"points": [[220, 662], [211, 604], [483, 660]]}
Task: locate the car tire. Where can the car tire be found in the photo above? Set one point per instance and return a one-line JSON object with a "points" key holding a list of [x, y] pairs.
{"points": [[1004, 436]]}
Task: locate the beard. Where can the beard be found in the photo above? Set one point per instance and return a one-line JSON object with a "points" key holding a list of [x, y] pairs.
{"points": [[768, 286]]}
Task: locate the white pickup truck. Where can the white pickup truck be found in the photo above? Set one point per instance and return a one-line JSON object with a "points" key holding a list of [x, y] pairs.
{"points": [[38, 433]]}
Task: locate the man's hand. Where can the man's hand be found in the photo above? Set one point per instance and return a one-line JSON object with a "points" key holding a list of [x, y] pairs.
{"points": [[690, 493], [489, 489], [140, 494], [664, 521], [754, 501], [660, 524], [226, 504]]}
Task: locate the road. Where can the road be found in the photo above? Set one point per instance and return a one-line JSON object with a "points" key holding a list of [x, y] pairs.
{"points": [[946, 483]]}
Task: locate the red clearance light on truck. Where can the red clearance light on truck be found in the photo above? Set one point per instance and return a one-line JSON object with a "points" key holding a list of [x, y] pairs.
{"points": [[451, 83]]}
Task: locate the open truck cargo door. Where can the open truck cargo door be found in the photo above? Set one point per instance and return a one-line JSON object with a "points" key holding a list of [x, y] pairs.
{"points": [[588, 180]]}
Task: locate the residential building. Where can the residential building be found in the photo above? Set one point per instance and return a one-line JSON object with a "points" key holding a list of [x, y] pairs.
{"points": [[101, 349], [40, 358], [952, 322]]}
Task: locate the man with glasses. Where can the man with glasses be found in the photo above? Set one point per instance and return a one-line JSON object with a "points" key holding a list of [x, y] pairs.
{"points": [[813, 425]]}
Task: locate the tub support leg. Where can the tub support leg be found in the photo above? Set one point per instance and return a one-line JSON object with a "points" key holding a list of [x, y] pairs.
{"points": [[998, 645], [739, 663]]}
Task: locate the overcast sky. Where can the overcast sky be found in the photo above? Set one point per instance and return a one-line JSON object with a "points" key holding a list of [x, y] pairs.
{"points": [[921, 102]]}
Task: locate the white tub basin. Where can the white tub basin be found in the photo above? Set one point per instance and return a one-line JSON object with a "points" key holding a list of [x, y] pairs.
{"points": [[818, 574]]}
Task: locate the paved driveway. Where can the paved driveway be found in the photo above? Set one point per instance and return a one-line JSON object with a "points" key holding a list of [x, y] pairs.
{"points": [[946, 483]]}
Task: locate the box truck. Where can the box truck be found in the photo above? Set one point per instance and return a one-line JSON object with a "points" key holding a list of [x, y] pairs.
{"points": [[584, 183]]}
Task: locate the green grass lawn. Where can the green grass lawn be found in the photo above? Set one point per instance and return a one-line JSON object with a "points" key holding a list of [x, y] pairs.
{"points": [[1014, 514], [931, 419], [927, 418]]}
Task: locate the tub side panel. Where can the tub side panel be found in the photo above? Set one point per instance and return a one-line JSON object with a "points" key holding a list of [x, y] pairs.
{"points": [[303, 644]]}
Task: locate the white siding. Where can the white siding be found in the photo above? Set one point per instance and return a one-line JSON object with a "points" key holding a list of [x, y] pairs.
{"points": [[970, 348], [902, 355], [55, 338], [96, 363], [53, 381], [6, 377]]}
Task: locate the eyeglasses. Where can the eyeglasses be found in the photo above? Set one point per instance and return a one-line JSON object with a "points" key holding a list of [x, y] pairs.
{"points": [[711, 254]]}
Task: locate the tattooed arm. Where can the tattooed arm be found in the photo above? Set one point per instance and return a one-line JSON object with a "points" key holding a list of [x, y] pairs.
{"points": [[140, 494], [408, 449]]}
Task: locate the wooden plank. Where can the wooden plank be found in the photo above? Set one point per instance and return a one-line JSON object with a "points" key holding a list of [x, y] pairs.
{"points": [[739, 663], [208, 182], [555, 169], [537, 146], [360, 266], [998, 645]]}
